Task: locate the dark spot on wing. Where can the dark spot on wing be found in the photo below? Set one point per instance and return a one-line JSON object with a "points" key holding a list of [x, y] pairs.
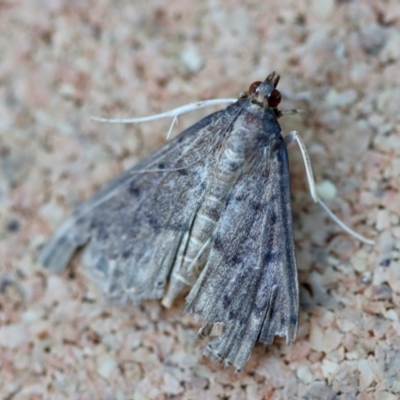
{"points": [[161, 165], [182, 171], [126, 253], [255, 205], [134, 189], [239, 197], [272, 218], [232, 315], [270, 257], [226, 301], [271, 313], [180, 138], [154, 222], [237, 259], [218, 243]]}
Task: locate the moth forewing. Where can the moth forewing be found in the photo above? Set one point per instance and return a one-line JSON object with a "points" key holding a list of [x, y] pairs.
{"points": [[249, 283]]}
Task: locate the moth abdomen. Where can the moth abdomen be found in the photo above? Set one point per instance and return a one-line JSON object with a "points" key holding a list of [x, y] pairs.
{"points": [[195, 249]]}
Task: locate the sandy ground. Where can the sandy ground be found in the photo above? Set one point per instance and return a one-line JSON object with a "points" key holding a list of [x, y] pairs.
{"points": [[62, 61]]}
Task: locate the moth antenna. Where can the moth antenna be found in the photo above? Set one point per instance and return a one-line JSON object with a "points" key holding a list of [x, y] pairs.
{"points": [[294, 136], [176, 112]]}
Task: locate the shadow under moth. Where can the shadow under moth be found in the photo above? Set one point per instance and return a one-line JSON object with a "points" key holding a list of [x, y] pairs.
{"points": [[208, 214]]}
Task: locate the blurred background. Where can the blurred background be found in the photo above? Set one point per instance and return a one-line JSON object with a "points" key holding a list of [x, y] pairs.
{"points": [[64, 61]]}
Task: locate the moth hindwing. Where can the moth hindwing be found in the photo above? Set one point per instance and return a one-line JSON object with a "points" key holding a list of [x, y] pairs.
{"points": [[209, 213]]}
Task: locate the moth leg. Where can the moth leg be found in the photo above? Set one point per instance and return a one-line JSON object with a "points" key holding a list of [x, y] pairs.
{"points": [[294, 136], [174, 120], [292, 111]]}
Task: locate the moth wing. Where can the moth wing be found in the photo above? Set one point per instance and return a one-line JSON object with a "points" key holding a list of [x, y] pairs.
{"points": [[135, 225], [249, 284]]}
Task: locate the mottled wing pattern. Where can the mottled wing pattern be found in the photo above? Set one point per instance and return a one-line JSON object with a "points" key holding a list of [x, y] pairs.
{"points": [[249, 283], [131, 231]]}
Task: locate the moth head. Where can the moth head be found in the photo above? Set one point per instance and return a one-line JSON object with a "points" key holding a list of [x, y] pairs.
{"points": [[265, 93]]}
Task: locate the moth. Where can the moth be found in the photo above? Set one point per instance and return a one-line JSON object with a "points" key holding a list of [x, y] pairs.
{"points": [[207, 215]]}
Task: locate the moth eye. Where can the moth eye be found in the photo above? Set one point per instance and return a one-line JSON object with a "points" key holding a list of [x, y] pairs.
{"points": [[274, 98], [254, 86]]}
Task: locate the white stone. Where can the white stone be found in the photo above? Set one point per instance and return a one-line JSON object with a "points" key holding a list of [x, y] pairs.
{"points": [[30, 316], [340, 99], [106, 365], [391, 51], [360, 261], [52, 212], [326, 190], [171, 385], [329, 368], [12, 336], [192, 60], [322, 8], [304, 374], [367, 376]]}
